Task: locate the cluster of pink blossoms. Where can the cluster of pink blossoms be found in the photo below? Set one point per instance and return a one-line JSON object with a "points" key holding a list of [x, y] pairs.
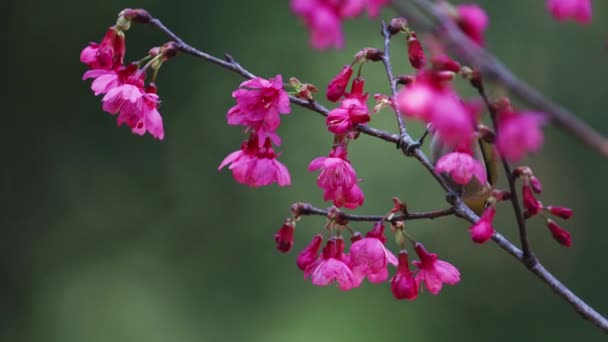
{"points": [[324, 18], [123, 86], [259, 103], [367, 258], [577, 10]]}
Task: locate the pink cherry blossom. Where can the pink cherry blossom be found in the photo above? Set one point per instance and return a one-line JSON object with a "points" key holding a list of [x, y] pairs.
{"points": [[452, 121], [434, 273], [473, 21], [404, 285], [145, 117], [519, 134], [559, 234], [107, 55], [331, 267], [310, 253], [284, 237], [482, 231], [350, 198], [462, 167], [259, 103], [578, 10], [337, 86], [256, 166], [370, 258], [352, 111]]}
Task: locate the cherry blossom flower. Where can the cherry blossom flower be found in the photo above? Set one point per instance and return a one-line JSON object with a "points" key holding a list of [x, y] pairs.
{"points": [[369, 258], [433, 272], [462, 167], [350, 198], [107, 55], [352, 111], [284, 237], [144, 118], [337, 86], [473, 21], [259, 103], [331, 267], [482, 231], [519, 134], [577, 10], [310, 253], [560, 235], [256, 166], [404, 285]]}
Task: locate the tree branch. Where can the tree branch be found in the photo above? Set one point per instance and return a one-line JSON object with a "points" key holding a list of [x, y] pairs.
{"points": [[437, 22], [307, 209], [386, 60], [410, 148]]}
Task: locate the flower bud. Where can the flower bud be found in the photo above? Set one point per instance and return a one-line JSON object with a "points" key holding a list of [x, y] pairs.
{"points": [[310, 253], [403, 284], [563, 212], [337, 86], [560, 235], [482, 231], [532, 205], [415, 52], [397, 25], [444, 63], [284, 237]]}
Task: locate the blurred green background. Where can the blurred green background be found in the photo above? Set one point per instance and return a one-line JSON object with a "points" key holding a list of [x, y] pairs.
{"points": [[107, 236]]}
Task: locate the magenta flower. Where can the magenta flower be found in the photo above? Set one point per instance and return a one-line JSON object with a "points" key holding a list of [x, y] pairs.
{"points": [[453, 121], [109, 54], [404, 285], [559, 234], [350, 198], [369, 258], [434, 273], [519, 134], [462, 167], [337, 86], [482, 231], [259, 103], [577, 10], [104, 80], [473, 21], [144, 117], [352, 111], [332, 267], [374, 6], [415, 52], [284, 237], [532, 205], [310, 253], [323, 21], [256, 166], [416, 101]]}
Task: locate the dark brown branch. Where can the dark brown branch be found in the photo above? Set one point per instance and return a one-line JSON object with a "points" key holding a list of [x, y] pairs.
{"points": [[492, 68], [410, 148], [528, 257], [307, 209]]}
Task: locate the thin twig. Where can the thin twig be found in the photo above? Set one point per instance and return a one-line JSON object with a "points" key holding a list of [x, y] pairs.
{"points": [[406, 142], [386, 60], [308, 209], [492, 68], [528, 257]]}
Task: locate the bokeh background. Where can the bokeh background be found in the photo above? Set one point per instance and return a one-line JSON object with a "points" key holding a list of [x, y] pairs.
{"points": [[108, 236]]}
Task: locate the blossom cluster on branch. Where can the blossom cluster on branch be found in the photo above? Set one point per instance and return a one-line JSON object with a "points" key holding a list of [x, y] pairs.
{"points": [[469, 139]]}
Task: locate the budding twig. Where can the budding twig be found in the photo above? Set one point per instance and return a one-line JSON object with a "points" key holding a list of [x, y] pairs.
{"points": [[492, 68]]}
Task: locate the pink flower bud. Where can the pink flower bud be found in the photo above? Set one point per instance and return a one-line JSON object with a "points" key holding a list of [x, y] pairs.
{"points": [[444, 63], [337, 86], [532, 205], [536, 185], [403, 284], [415, 52], [482, 230], [284, 237], [559, 234], [310, 253], [563, 212]]}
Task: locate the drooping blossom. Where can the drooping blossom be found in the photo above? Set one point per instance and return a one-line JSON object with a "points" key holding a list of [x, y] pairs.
{"points": [[532, 205], [107, 55], [338, 179], [324, 18], [256, 166], [519, 134], [563, 212], [352, 111], [473, 21], [310, 253], [337, 86], [259, 103], [560, 235], [146, 118], [404, 285], [415, 52], [284, 237], [577, 10], [462, 167], [433, 272], [332, 267], [483, 229], [370, 258]]}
